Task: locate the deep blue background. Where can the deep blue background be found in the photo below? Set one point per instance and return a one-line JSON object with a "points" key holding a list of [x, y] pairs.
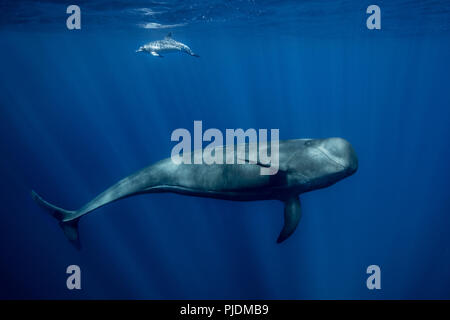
{"points": [[79, 110]]}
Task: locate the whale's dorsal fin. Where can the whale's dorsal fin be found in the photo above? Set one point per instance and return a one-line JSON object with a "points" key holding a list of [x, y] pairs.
{"points": [[292, 214], [168, 36], [253, 158]]}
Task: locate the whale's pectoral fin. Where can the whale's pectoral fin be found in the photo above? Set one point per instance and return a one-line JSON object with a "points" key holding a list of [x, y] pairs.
{"points": [[70, 229], [292, 214], [156, 54]]}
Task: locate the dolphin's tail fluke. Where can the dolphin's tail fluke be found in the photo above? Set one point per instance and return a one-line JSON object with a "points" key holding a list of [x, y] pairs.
{"points": [[69, 226]]}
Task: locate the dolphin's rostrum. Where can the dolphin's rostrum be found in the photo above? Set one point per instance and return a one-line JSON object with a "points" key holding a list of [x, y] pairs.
{"points": [[304, 165], [167, 45]]}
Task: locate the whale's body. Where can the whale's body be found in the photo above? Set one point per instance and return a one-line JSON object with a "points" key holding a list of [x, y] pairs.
{"points": [[167, 45], [304, 165]]}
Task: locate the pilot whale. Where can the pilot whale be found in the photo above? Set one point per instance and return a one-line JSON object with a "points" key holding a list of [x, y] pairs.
{"points": [[167, 45], [304, 165]]}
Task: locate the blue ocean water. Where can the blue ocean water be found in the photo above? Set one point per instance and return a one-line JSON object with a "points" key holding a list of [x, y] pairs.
{"points": [[80, 110]]}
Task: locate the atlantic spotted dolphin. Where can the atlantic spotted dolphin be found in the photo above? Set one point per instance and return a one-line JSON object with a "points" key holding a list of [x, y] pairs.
{"points": [[304, 165], [167, 45]]}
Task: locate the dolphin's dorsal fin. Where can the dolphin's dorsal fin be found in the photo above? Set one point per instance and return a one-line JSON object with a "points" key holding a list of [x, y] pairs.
{"points": [[292, 214], [168, 36]]}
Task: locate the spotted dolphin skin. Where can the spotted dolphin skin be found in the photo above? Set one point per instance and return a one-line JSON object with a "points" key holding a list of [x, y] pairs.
{"points": [[167, 45], [304, 165]]}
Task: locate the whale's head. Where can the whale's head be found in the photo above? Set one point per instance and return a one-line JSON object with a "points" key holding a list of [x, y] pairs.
{"points": [[319, 163], [141, 49]]}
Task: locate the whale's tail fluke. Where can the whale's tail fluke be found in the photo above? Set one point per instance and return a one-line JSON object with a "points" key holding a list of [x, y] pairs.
{"points": [[69, 226]]}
